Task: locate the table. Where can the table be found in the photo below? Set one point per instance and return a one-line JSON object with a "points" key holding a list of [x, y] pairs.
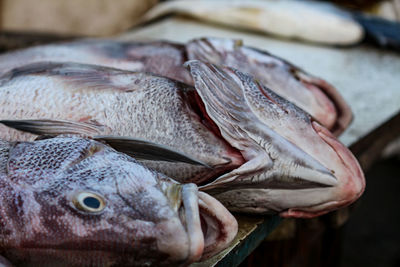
{"points": [[368, 78]]}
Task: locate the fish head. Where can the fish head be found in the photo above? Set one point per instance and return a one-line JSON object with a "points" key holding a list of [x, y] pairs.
{"points": [[293, 166], [312, 94], [79, 201]]}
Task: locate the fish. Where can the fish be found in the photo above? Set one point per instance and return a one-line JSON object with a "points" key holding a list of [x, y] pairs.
{"points": [[73, 201], [292, 153], [314, 95], [260, 145], [159, 57], [309, 21]]}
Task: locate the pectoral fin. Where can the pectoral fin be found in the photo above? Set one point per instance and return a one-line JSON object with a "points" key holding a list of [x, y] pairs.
{"points": [[52, 127], [145, 150], [137, 148]]}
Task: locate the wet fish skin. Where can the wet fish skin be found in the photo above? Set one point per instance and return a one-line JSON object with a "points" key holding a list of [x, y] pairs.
{"points": [[310, 93], [294, 166], [143, 217], [120, 103]]}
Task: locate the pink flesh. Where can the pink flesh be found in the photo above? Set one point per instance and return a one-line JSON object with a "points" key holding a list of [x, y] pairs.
{"points": [[234, 155], [219, 226], [350, 187]]}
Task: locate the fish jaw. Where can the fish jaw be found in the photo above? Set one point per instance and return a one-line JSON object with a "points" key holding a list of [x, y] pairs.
{"points": [[185, 230], [284, 152], [317, 97], [219, 226], [192, 221], [350, 187], [210, 227]]}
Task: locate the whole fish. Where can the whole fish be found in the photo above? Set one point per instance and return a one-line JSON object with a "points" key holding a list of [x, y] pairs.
{"points": [[310, 93], [70, 201], [311, 21], [258, 145]]}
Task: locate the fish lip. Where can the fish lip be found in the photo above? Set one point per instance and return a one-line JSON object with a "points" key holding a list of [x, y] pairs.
{"points": [[190, 218], [350, 187], [351, 183], [219, 225], [356, 186]]}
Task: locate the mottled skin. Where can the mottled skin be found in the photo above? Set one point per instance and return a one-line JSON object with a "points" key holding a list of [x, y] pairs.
{"points": [[119, 103], [293, 165], [310, 93], [147, 218]]}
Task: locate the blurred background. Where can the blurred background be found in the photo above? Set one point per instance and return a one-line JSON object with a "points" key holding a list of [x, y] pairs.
{"points": [[107, 17]]}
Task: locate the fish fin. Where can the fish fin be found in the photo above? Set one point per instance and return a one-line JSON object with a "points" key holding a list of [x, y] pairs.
{"points": [[146, 150], [83, 75], [204, 49], [53, 127], [140, 149], [225, 95]]}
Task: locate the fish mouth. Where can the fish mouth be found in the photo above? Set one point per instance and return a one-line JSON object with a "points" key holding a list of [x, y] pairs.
{"points": [[218, 225], [209, 225], [190, 218], [351, 182]]}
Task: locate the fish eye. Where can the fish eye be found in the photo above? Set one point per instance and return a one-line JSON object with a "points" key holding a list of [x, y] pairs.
{"points": [[89, 202]]}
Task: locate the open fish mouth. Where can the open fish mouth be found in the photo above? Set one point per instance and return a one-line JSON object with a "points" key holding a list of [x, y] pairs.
{"points": [[209, 225], [291, 163], [218, 225]]}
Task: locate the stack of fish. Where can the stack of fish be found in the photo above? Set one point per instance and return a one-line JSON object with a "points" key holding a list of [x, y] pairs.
{"points": [[248, 128]]}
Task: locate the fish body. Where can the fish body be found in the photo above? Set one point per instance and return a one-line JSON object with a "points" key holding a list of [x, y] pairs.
{"points": [[70, 201], [252, 140], [312, 94], [119, 103]]}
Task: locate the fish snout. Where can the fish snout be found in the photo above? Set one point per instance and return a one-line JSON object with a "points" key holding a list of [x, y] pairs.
{"points": [[210, 227], [184, 201], [351, 177], [350, 186]]}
